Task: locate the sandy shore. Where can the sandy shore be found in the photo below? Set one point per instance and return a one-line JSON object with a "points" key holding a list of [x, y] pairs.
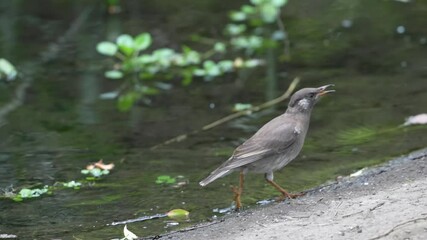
{"points": [[385, 202]]}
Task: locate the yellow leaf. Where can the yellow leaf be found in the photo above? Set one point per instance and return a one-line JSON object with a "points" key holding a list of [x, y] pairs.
{"points": [[178, 214]]}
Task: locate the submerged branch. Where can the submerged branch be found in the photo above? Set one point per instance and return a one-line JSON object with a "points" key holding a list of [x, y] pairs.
{"points": [[230, 117]]}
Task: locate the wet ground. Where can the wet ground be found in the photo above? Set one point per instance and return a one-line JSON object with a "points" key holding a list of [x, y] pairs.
{"points": [[380, 78]]}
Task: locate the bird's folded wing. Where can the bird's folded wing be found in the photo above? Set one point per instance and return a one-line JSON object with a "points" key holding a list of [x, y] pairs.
{"points": [[263, 145]]}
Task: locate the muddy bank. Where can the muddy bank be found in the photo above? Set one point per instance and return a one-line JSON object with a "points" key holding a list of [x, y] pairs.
{"points": [[385, 202]]}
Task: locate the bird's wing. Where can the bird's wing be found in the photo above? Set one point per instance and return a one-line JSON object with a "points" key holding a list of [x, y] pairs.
{"points": [[273, 138]]}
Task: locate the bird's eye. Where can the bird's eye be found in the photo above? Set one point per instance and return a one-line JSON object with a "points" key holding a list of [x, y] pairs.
{"points": [[312, 95]]}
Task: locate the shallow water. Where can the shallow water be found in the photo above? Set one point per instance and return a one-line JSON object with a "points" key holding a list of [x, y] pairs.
{"points": [[380, 79]]}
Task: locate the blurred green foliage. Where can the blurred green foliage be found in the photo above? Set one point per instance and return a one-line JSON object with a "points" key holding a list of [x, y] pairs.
{"points": [[7, 70], [144, 72]]}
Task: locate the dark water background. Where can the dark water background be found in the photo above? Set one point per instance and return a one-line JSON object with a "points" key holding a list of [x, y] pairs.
{"points": [[380, 76]]}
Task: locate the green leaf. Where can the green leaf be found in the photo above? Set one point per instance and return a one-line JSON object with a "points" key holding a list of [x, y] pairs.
{"points": [[219, 47], [106, 48], [178, 214], [165, 179], [238, 16], [279, 3], [7, 69], [126, 44], [225, 65], [26, 193], [84, 171], [256, 2], [113, 74], [269, 13], [235, 29], [126, 101], [248, 9], [142, 41], [199, 72], [241, 106], [72, 184], [211, 68]]}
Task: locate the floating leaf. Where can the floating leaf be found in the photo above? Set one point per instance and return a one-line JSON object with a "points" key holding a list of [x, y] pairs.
{"points": [[165, 179], [31, 193], [178, 214], [142, 41], [107, 48], [72, 184], [113, 74], [128, 234]]}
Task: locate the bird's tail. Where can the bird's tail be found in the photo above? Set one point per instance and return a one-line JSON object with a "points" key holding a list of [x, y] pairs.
{"points": [[213, 176]]}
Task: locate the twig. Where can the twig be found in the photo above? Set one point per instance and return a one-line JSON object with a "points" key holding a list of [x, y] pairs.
{"points": [[286, 41], [230, 117], [398, 226], [140, 219], [351, 214], [377, 206]]}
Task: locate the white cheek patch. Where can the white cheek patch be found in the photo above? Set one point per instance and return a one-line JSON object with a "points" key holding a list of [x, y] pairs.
{"points": [[303, 103], [297, 130]]}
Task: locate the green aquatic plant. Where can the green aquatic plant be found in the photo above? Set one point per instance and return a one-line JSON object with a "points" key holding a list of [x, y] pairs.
{"points": [[72, 184], [27, 193], [356, 135], [95, 172], [165, 179], [360, 135]]}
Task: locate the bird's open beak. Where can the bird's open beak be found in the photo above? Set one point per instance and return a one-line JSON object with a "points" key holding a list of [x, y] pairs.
{"points": [[322, 90]]}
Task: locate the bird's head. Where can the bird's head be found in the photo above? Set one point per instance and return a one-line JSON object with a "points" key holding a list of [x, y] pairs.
{"points": [[304, 99]]}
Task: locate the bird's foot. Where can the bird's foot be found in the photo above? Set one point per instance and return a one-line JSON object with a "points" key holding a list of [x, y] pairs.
{"points": [[289, 195]]}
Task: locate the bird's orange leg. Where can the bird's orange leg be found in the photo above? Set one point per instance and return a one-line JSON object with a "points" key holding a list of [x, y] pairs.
{"points": [[285, 193], [238, 191]]}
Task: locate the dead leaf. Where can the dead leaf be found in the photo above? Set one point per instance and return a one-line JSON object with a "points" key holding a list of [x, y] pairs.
{"points": [[128, 234], [103, 166], [100, 165]]}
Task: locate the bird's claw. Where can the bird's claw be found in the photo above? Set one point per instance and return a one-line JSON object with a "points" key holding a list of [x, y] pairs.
{"points": [[289, 195]]}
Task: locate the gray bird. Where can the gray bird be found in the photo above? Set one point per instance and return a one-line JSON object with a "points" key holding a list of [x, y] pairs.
{"points": [[274, 145]]}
